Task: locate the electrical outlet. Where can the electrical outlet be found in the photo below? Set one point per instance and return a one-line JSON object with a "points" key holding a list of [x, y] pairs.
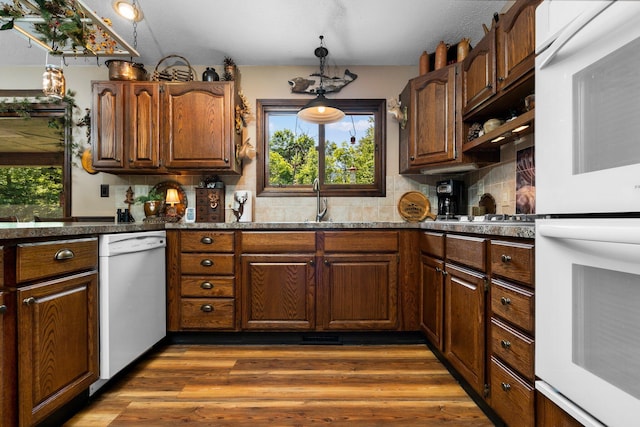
{"points": [[104, 190]]}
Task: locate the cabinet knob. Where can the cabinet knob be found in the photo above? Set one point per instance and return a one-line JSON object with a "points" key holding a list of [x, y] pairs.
{"points": [[412, 158], [130, 160], [206, 285], [326, 262], [505, 258], [63, 254], [505, 386], [489, 86], [444, 273], [206, 263], [117, 159], [226, 160], [438, 270], [501, 79], [505, 301], [206, 240], [207, 308], [3, 309], [29, 301], [312, 262], [505, 344]]}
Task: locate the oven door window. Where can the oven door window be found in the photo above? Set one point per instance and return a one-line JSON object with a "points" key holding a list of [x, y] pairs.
{"points": [[606, 320], [606, 112]]}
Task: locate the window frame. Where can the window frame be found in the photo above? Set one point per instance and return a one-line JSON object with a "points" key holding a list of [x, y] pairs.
{"points": [[375, 107], [50, 110]]}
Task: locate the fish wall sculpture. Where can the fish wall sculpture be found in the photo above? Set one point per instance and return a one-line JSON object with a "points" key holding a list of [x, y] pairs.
{"points": [[331, 84]]}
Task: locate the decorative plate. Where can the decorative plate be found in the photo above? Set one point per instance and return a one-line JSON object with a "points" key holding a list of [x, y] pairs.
{"points": [[162, 188], [414, 206]]}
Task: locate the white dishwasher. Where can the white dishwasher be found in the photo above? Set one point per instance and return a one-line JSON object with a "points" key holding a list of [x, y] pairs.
{"points": [[132, 298]]}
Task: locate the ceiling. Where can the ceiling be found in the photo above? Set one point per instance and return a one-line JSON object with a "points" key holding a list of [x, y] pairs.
{"points": [[283, 32]]}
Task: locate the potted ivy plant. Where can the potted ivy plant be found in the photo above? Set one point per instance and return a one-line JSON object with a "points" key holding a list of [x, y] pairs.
{"points": [[152, 202]]}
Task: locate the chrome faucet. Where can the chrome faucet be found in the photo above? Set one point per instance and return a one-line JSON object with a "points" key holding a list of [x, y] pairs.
{"points": [[319, 213]]}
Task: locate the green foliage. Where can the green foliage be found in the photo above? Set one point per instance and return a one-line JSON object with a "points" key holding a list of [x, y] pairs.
{"points": [[294, 159], [29, 191], [151, 196]]}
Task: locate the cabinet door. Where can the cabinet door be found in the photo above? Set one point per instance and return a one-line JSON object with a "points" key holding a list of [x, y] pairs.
{"points": [[7, 359], [360, 291], [516, 42], [107, 125], [143, 128], [431, 299], [465, 323], [57, 343], [278, 292], [433, 121], [198, 126], [479, 73]]}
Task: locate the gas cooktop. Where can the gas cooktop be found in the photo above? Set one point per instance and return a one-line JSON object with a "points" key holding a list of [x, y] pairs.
{"points": [[527, 218]]}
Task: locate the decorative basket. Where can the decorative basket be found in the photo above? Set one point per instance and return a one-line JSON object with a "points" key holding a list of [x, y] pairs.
{"points": [[175, 72]]}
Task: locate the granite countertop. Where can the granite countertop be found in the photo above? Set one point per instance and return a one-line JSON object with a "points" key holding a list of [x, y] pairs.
{"points": [[28, 230]]}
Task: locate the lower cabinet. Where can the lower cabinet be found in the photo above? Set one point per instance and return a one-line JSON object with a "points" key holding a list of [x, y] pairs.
{"points": [[359, 291], [8, 378], [57, 343], [465, 324]]}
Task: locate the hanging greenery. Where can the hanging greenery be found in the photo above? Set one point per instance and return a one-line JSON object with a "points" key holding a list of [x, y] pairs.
{"points": [[64, 23]]}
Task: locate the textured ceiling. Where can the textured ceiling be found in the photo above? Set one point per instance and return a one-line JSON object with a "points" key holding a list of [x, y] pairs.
{"points": [[284, 32]]}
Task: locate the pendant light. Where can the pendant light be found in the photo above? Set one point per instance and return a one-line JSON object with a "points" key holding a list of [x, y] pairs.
{"points": [[53, 83], [320, 110]]}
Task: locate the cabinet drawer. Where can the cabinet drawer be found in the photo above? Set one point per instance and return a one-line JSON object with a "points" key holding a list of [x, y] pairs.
{"points": [[513, 260], [207, 264], [39, 260], [269, 242], [512, 347], [207, 286], [511, 397], [361, 241], [207, 241], [432, 244], [513, 303], [469, 251], [207, 313]]}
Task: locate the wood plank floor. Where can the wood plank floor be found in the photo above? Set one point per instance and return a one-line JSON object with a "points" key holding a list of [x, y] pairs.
{"points": [[278, 385]]}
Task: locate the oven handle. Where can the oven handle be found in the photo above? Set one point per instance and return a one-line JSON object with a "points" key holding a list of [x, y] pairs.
{"points": [[593, 233], [570, 31]]}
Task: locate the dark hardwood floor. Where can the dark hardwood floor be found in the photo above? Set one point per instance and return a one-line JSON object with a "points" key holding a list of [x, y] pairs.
{"points": [[285, 385]]}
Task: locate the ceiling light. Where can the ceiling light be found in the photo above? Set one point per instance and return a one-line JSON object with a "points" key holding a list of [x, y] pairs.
{"points": [[128, 10], [320, 110]]}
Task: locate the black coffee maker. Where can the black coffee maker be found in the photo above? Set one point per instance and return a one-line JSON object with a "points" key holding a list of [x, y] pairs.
{"points": [[451, 200]]}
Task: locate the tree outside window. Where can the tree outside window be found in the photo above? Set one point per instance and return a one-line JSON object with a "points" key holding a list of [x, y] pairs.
{"points": [[349, 153]]}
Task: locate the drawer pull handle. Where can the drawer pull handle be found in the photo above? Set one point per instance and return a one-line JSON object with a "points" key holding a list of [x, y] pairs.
{"points": [[63, 254], [505, 258], [206, 285], [29, 301], [3, 309], [505, 301], [206, 263], [505, 386], [505, 344], [206, 240], [207, 308]]}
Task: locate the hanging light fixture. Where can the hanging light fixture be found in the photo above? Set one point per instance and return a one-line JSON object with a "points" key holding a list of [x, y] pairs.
{"points": [[320, 110], [53, 83], [128, 10]]}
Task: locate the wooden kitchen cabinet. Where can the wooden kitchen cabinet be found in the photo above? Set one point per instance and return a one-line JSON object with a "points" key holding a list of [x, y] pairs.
{"points": [[432, 274], [8, 376], [164, 127], [465, 295], [511, 345], [57, 320], [359, 287], [201, 280], [479, 73], [126, 126], [279, 280], [429, 136]]}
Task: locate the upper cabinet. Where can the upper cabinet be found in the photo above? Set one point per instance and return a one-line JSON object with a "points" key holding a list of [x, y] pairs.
{"points": [[159, 127], [430, 132], [479, 73]]}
